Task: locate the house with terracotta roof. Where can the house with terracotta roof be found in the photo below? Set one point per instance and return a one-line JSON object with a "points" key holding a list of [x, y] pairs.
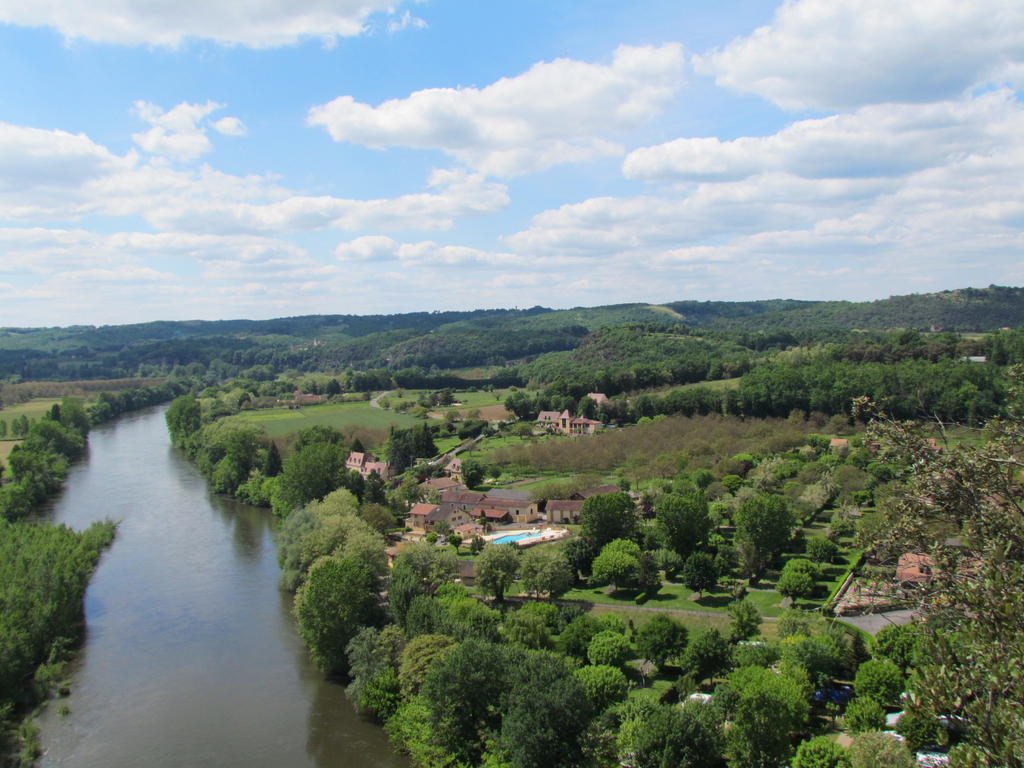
{"points": [[565, 511], [424, 517], [567, 425], [599, 398], [597, 490], [914, 568], [456, 499], [519, 510], [365, 463], [441, 484], [548, 418], [492, 515], [454, 469], [839, 444]]}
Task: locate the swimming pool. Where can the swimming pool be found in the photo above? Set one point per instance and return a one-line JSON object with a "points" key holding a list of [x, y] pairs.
{"points": [[513, 537]]}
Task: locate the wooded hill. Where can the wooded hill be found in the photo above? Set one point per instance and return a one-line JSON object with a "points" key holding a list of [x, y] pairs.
{"points": [[447, 340]]}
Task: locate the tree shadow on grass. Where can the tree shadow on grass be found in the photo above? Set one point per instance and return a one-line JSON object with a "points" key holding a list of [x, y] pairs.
{"points": [[714, 601]]}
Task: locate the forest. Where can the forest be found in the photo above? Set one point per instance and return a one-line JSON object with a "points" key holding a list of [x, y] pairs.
{"points": [[449, 340]]}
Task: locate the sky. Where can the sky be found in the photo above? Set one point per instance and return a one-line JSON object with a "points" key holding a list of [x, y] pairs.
{"points": [[188, 159]]}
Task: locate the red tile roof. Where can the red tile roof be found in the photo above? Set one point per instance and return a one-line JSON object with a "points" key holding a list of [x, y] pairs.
{"points": [[424, 509]]}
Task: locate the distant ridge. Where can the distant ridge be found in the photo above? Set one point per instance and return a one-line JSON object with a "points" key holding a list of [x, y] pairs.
{"points": [[448, 340]]}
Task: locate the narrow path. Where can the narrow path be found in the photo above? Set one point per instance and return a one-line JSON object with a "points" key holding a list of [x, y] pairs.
{"points": [[375, 401]]}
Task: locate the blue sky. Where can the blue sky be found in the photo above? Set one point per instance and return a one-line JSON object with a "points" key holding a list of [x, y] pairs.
{"points": [[187, 159]]}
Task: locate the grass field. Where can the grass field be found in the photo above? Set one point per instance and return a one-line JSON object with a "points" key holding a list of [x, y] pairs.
{"points": [[278, 422], [33, 409], [5, 448]]}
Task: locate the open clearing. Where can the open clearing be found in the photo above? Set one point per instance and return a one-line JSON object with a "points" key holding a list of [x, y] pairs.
{"points": [[279, 422]]}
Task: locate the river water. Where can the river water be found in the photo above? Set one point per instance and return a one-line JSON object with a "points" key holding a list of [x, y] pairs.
{"points": [[191, 657]]}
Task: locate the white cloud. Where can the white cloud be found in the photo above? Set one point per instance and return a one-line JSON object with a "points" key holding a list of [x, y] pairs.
{"points": [[886, 140], [455, 194], [255, 24], [46, 175], [919, 197], [377, 248], [830, 55], [180, 132], [405, 21], [555, 112], [230, 126]]}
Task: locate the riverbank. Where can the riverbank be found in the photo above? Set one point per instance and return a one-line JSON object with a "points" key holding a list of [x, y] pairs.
{"points": [[191, 655]]}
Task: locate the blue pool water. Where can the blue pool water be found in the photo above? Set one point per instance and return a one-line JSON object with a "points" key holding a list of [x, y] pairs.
{"points": [[514, 537]]}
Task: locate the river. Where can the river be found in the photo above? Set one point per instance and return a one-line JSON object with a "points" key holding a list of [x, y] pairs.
{"points": [[191, 657]]}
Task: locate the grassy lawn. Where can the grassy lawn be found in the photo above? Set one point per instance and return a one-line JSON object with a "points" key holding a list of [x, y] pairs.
{"points": [[6, 446], [278, 422], [445, 444], [33, 409], [677, 597]]}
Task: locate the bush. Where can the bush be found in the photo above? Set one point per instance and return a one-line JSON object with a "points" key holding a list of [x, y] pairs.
{"points": [[879, 679], [863, 715], [820, 752], [821, 550]]}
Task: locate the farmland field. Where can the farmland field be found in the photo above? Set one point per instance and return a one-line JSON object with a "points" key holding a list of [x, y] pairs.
{"points": [[33, 408], [278, 422]]}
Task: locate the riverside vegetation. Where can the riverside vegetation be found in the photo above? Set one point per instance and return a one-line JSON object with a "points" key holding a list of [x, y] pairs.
{"points": [[45, 569]]}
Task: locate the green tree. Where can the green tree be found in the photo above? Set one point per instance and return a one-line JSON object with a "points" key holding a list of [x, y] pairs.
{"points": [[820, 752], [819, 656], [821, 550], [545, 571], [682, 521], [418, 656], [768, 708], [699, 572], [919, 727], [608, 516], [660, 639], [708, 654], [461, 692], [763, 526], [370, 654], [309, 473], [528, 630], [879, 750], [609, 649], [472, 473], [797, 579], [880, 680], [897, 643], [745, 620], [338, 598], [618, 564], [681, 737], [603, 685], [648, 577], [183, 419], [496, 568], [576, 636], [864, 714], [546, 714]]}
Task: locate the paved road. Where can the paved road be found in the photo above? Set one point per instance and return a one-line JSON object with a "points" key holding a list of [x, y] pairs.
{"points": [[873, 623]]}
